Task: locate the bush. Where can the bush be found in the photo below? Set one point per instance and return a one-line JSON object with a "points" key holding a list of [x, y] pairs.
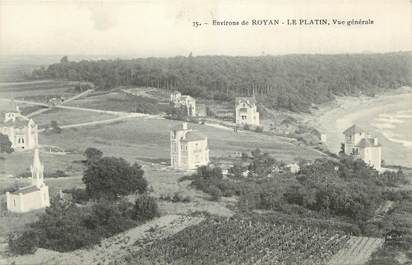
{"points": [[57, 174], [92, 154], [22, 243], [180, 197], [5, 144], [78, 195], [112, 177], [259, 129], [215, 193], [145, 208], [246, 127], [55, 127], [66, 227]]}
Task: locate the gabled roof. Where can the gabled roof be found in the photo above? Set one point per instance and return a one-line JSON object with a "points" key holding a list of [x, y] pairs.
{"points": [[251, 101], [367, 142], [354, 129], [26, 190], [179, 127], [187, 97], [194, 136], [19, 122]]}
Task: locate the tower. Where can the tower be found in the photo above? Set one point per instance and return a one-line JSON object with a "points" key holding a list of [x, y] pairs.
{"points": [[37, 170], [176, 135]]}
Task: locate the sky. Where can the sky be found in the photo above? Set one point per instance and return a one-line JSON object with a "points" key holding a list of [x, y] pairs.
{"points": [[164, 27]]}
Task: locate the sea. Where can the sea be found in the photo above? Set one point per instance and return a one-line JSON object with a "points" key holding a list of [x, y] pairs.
{"points": [[388, 117], [392, 124]]}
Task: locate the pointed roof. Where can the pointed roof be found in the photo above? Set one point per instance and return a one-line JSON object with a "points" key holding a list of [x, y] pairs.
{"points": [[354, 129], [194, 136], [367, 142], [25, 190], [180, 126], [251, 101]]}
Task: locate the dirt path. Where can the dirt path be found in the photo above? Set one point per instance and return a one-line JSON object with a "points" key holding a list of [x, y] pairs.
{"points": [[356, 251], [78, 96], [25, 102]]}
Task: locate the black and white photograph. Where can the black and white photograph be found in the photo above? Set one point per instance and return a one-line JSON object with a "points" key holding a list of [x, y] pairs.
{"points": [[210, 132]]}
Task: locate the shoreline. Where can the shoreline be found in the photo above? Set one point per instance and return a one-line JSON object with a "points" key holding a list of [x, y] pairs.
{"points": [[334, 117]]}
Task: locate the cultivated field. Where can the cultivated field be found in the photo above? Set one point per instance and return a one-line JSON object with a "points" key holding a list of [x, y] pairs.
{"points": [[357, 250], [242, 241]]}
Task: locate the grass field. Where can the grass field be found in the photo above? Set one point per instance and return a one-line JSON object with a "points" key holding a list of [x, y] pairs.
{"points": [[135, 139], [115, 101], [37, 90], [66, 117]]}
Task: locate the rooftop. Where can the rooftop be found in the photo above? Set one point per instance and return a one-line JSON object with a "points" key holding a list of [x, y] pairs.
{"points": [[194, 136], [367, 142], [180, 126], [19, 122], [248, 100], [26, 190], [354, 129]]}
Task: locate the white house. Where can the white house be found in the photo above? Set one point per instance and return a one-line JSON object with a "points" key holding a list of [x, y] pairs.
{"points": [[361, 145], [188, 148], [178, 100], [33, 197], [246, 111], [22, 132], [293, 167]]}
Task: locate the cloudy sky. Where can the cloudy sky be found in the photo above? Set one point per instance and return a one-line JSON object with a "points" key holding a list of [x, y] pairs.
{"points": [[164, 27]]}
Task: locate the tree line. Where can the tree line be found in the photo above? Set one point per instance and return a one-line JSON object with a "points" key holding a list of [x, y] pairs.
{"points": [[292, 82]]}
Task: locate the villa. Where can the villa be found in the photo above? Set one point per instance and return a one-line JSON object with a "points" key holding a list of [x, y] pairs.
{"points": [[359, 144], [178, 100], [246, 111], [188, 148], [22, 132]]}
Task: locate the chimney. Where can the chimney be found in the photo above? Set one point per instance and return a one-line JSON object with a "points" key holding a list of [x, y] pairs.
{"points": [[184, 126]]}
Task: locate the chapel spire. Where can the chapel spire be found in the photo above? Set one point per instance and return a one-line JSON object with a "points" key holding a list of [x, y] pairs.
{"points": [[37, 169]]}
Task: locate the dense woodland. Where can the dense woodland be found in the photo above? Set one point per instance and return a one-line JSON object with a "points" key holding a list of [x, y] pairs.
{"points": [[291, 82]]}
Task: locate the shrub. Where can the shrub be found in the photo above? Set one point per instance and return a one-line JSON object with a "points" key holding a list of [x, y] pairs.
{"points": [[92, 154], [112, 177], [5, 144], [66, 227], [180, 197], [215, 193], [78, 195], [246, 127], [57, 174], [145, 208], [259, 129], [55, 127], [22, 243]]}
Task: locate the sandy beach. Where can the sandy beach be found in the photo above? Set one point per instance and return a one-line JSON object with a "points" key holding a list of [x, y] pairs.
{"points": [[375, 115]]}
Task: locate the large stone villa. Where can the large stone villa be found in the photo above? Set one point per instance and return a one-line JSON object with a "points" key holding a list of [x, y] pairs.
{"points": [[22, 132], [359, 144], [246, 111], [33, 197], [188, 148], [178, 100]]}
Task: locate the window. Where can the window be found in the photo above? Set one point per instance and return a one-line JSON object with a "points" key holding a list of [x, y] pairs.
{"points": [[243, 117]]}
